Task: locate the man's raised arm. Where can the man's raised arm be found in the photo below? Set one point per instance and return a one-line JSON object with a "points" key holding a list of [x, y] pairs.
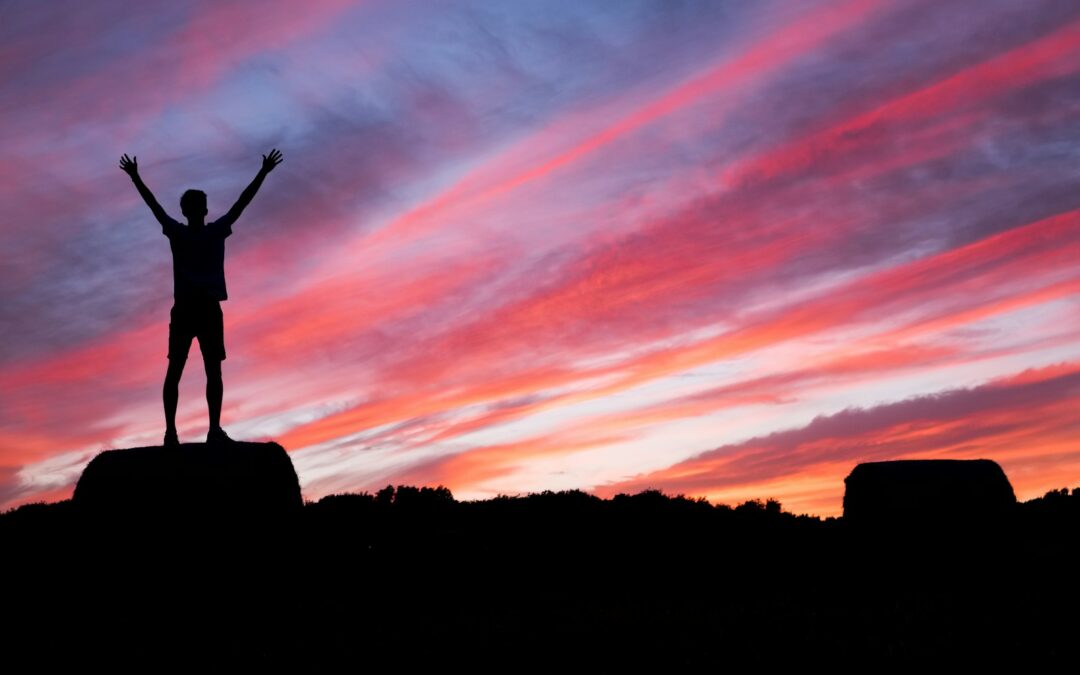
{"points": [[132, 169], [268, 164]]}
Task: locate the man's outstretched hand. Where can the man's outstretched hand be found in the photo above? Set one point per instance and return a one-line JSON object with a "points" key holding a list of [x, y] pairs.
{"points": [[129, 165], [271, 160]]}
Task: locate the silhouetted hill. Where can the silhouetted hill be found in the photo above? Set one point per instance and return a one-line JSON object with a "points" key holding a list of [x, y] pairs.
{"points": [[410, 577]]}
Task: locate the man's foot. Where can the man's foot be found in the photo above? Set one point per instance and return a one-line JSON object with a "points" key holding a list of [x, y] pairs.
{"points": [[171, 439], [218, 435]]}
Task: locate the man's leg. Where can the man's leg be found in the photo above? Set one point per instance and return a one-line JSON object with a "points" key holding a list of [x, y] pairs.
{"points": [[212, 344], [171, 391], [213, 390], [179, 344]]}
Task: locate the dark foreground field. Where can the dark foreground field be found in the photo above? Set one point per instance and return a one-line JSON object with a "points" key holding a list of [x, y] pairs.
{"points": [[412, 578]]}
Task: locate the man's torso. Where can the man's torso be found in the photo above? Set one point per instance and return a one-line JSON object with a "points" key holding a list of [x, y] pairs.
{"points": [[198, 262]]}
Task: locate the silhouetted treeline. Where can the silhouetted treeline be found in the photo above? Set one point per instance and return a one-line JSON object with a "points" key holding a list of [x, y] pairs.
{"points": [[410, 577]]}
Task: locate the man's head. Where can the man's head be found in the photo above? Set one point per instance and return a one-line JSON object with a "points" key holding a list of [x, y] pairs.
{"points": [[193, 204]]}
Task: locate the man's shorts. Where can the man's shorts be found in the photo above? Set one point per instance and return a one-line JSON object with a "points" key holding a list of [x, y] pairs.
{"points": [[201, 318]]}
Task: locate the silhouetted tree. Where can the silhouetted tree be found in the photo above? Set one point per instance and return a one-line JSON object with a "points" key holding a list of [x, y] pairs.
{"points": [[385, 496]]}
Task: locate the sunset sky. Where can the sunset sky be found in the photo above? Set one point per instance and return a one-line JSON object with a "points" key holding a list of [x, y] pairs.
{"points": [[720, 249]]}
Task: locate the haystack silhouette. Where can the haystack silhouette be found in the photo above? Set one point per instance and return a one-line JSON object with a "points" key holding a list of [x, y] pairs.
{"points": [[925, 492], [193, 481]]}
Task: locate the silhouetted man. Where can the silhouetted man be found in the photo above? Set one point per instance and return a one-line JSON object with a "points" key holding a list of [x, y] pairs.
{"points": [[198, 252]]}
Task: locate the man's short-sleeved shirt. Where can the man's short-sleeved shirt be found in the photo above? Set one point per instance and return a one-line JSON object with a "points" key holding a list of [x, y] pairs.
{"points": [[198, 258]]}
